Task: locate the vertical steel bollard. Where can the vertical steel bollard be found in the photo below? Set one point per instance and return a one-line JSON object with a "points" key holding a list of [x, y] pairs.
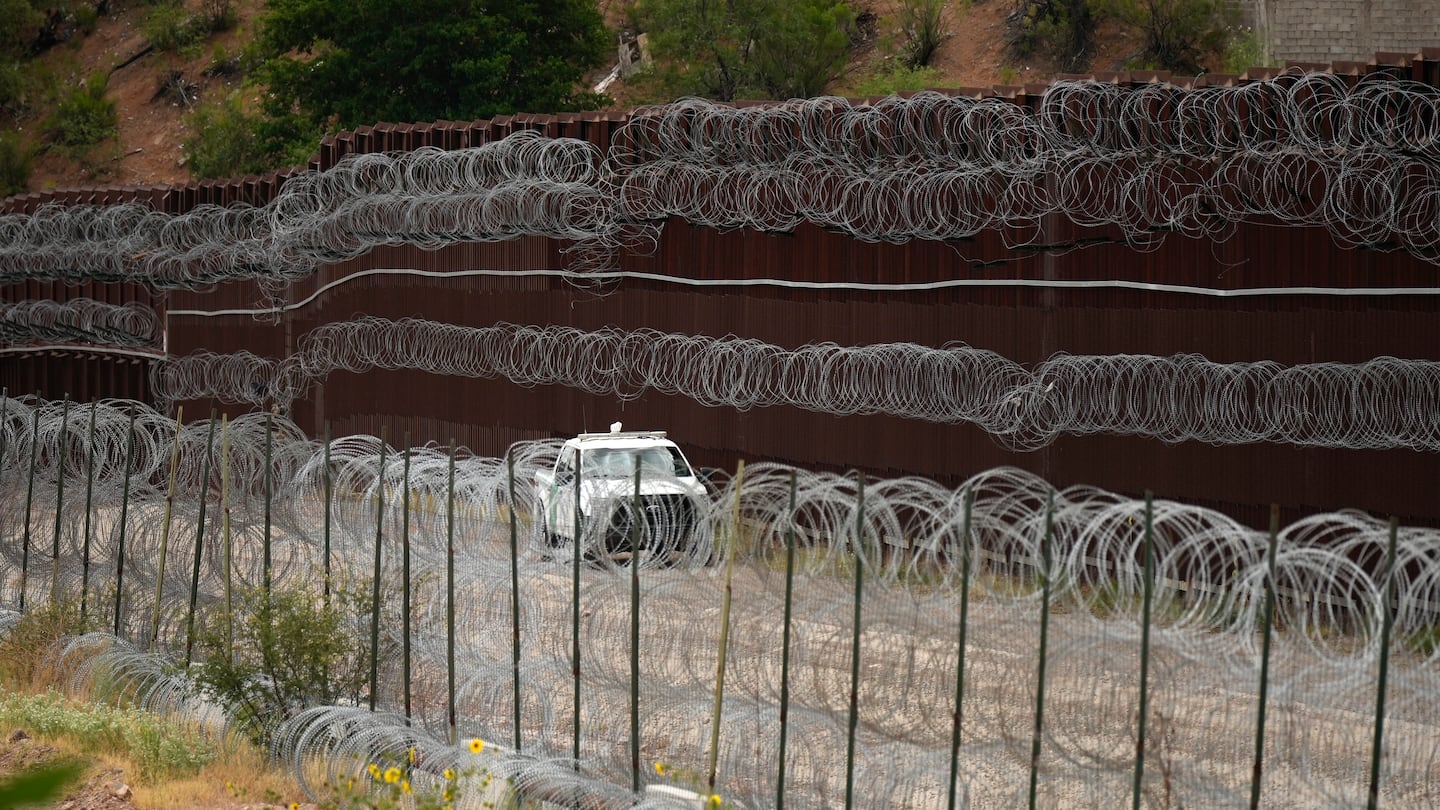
{"points": [[124, 516], [204, 492], [514, 594], [227, 538], [635, 518], [450, 721], [855, 643], [1387, 623], [1256, 770], [375, 580], [785, 644], [960, 653], [165, 530], [1044, 634], [405, 571], [62, 453], [575, 608], [29, 501], [85, 530], [1149, 589], [722, 654], [269, 485], [328, 481]]}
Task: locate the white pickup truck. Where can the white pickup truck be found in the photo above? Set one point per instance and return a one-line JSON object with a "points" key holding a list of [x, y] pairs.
{"points": [[673, 502]]}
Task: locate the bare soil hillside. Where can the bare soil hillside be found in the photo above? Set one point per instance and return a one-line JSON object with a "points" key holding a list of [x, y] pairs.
{"points": [[152, 88]]}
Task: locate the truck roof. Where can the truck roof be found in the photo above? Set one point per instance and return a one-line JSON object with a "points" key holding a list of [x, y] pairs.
{"points": [[616, 434]]}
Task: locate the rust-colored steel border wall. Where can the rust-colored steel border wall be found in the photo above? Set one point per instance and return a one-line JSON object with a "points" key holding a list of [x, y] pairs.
{"points": [[1025, 324]]}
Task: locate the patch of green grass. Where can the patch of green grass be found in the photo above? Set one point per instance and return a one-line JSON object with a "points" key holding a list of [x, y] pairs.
{"points": [[161, 749]]}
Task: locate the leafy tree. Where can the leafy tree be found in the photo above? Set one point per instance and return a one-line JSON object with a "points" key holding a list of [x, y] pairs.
{"points": [[729, 49], [345, 63]]}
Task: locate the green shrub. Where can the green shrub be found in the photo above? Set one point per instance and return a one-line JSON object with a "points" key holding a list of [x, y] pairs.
{"points": [[291, 650], [29, 646], [85, 117], [218, 15], [86, 18], [169, 27], [1245, 50], [1061, 29], [16, 162], [920, 20], [897, 78], [224, 141], [15, 87]]}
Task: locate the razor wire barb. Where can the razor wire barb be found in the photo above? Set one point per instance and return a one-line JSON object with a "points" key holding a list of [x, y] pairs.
{"points": [[1386, 402], [1209, 583], [1361, 160]]}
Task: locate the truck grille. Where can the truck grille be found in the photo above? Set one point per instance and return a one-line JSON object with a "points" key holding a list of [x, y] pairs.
{"points": [[667, 524]]}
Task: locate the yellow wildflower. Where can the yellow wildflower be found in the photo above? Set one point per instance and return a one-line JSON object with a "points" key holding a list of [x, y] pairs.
{"points": [[450, 774], [294, 805], [715, 800], [392, 775], [477, 745], [374, 770], [660, 768], [405, 787]]}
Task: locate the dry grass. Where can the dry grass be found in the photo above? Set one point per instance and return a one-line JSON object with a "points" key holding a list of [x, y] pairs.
{"points": [[239, 775]]}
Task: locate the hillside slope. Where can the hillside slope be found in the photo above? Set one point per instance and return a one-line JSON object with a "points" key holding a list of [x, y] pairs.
{"points": [[151, 87]]}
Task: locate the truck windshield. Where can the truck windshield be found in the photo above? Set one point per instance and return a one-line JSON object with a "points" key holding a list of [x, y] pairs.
{"points": [[620, 463]]}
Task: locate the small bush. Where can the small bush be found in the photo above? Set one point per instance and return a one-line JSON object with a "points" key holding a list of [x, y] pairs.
{"points": [[290, 651], [169, 27], [1063, 29], [920, 20], [86, 18], [16, 87], [218, 15], [224, 141], [29, 646], [898, 78], [85, 117], [1245, 50], [16, 162]]}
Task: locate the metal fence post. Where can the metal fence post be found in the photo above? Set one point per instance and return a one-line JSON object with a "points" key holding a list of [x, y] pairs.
{"points": [[165, 529], [204, 493], [1044, 633], [960, 650], [1148, 590], [785, 643], [62, 453], [375, 579], [124, 516], [1387, 622], [89, 500], [29, 501], [855, 643]]}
